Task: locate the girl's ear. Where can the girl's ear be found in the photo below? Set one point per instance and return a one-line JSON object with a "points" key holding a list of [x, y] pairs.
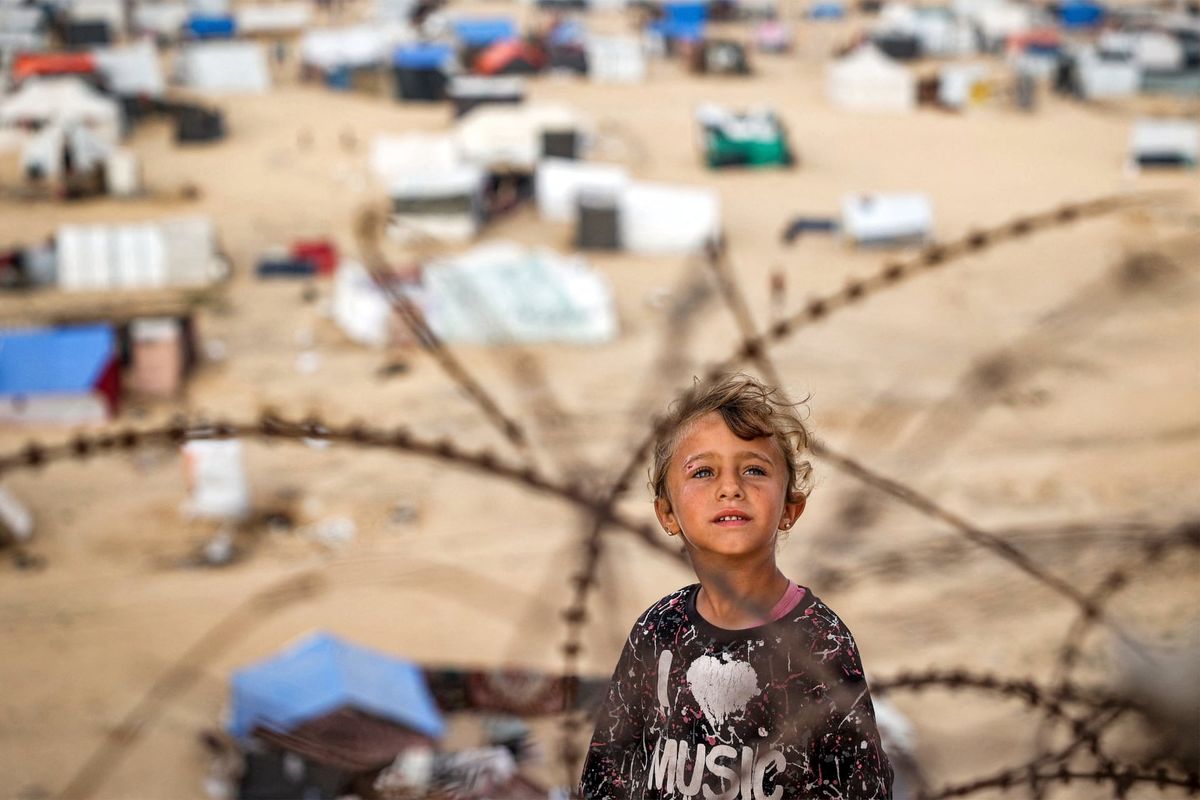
{"points": [[666, 516], [792, 510]]}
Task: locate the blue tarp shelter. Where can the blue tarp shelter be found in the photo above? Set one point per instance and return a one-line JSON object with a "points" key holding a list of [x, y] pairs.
{"points": [[827, 9], [479, 32], [321, 674], [424, 55], [37, 361], [1080, 14], [210, 27], [682, 21]]}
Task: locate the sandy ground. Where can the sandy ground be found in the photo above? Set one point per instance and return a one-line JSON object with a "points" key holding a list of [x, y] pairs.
{"points": [[1096, 422]]}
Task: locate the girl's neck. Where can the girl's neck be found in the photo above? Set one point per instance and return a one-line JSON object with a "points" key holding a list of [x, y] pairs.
{"points": [[741, 597]]}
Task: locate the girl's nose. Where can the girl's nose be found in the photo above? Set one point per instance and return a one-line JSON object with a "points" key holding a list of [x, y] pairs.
{"points": [[729, 486]]}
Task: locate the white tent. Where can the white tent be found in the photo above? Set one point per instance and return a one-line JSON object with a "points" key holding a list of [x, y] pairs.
{"points": [[502, 293], [615, 59], [886, 218], [867, 80], [224, 67], [359, 307], [281, 17], [175, 252], [1152, 51], [1106, 78], [63, 103], [132, 70], [163, 19], [392, 157], [999, 20], [1165, 141], [356, 46], [662, 218], [560, 181], [433, 192], [22, 29], [109, 11], [510, 136]]}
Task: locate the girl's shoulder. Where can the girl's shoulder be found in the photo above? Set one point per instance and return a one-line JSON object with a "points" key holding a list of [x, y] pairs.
{"points": [[668, 613]]}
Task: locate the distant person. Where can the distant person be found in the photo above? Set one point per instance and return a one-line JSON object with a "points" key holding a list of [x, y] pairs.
{"points": [[744, 685]]}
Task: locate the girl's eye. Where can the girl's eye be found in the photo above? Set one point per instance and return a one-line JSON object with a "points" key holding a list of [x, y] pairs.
{"points": [[703, 472], [756, 471]]}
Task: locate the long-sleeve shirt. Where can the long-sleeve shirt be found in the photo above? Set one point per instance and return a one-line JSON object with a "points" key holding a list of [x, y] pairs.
{"points": [[776, 712]]}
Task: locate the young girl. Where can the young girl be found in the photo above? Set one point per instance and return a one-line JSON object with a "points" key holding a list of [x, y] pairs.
{"points": [[744, 686]]}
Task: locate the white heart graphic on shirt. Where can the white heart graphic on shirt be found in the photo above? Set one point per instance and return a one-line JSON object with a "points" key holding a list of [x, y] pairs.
{"points": [[721, 687]]}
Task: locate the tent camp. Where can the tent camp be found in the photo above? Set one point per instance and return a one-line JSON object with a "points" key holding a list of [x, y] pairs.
{"points": [[510, 57], [111, 13], [59, 375], [886, 219], [22, 29], [336, 49], [665, 218], [62, 102], [997, 20], [867, 80], [503, 293], [174, 252], [511, 138], [132, 70], [935, 30], [1165, 143], [224, 67], [755, 138], [1105, 76], [561, 182]]}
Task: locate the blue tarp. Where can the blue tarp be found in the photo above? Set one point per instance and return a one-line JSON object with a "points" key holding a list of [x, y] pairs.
{"points": [[422, 56], [824, 9], [203, 27], [321, 674], [482, 31], [1080, 14], [682, 21], [54, 360]]}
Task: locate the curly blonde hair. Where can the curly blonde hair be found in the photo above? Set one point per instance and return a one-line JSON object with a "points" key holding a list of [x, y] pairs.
{"points": [[751, 409]]}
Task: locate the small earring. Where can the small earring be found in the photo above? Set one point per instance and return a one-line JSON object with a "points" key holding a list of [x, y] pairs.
{"points": [[671, 532]]}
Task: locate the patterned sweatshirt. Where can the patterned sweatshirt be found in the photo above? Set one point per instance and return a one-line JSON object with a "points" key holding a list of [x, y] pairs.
{"points": [[776, 712]]}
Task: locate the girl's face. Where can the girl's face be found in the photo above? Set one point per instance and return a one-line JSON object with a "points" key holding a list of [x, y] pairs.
{"points": [[727, 496]]}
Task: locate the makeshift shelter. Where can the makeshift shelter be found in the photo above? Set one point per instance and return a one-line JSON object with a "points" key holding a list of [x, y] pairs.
{"points": [[224, 67], [615, 59], [335, 710], [321, 674], [59, 375], [886, 219], [53, 65], [510, 57], [827, 9], [867, 80], [175, 252], [960, 84], [335, 51], [754, 138], [447, 206], [61, 102], [502, 293], [82, 34], [511, 138], [560, 183], [899, 45], [1165, 143], [681, 21], [71, 154], [996, 21], [280, 17], [132, 70], [1076, 14], [162, 19], [22, 29], [421, 70], [665, 218], [109, 12], [1152, 51], [941, 33], [468, 92], [476, 34], [202, 27], [1105, 77]]}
